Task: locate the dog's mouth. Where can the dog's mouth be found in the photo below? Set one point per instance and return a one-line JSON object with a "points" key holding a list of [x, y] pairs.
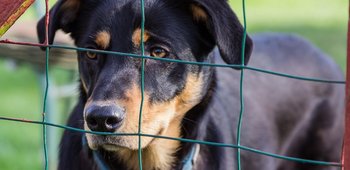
{"points": [[116, 143]]}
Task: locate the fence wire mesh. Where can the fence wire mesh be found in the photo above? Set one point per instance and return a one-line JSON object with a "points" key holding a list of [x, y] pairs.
{"points": [[142, 57]]}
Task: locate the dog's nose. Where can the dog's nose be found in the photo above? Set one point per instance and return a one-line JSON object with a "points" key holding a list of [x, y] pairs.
{"points": [[104, 118]]}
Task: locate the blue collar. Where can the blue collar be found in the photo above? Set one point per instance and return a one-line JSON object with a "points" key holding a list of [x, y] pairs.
{"points": [[190, 159], [187, 162]]}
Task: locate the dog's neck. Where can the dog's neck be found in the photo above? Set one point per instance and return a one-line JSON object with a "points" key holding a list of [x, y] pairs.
{"points": [[190, 126]]}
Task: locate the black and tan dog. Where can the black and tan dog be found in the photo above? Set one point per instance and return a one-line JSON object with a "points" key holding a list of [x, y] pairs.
{"points": [[283, 116]]}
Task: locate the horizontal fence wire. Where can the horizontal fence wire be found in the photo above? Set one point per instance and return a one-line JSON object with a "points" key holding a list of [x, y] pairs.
{"points": [[121, 54], [237, 146], [336, 164]]}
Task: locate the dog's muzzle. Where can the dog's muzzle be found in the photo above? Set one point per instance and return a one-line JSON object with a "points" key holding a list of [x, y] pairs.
{"points": [[104, 118]]}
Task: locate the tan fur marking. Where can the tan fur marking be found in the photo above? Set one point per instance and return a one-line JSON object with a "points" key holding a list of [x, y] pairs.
{"points": [[136, 37], [158, 155], [190, 96], [199, 13], [103, 39]]}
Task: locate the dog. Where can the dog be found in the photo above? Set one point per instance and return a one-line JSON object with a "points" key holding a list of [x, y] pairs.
{"points": [[281, 115]]}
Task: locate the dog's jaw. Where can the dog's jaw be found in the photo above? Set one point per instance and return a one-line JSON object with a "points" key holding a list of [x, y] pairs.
{"points": [[157, 154]]}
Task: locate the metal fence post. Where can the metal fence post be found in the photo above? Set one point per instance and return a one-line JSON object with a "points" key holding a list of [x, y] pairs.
{"points": [[346, 149]]}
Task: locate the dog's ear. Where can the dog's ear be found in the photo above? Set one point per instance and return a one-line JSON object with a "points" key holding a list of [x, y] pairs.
{"points": [[62, 16], [225, 28]]}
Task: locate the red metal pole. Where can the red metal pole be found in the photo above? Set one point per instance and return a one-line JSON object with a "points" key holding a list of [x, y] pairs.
{"points": [[346, 148]]}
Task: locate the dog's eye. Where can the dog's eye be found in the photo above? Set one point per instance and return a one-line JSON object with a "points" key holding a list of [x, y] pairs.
{"points": [[91, 55], [158, 52]]}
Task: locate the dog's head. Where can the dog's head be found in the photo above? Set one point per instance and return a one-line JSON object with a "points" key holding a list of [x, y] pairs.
{"points": [[176, 29]]}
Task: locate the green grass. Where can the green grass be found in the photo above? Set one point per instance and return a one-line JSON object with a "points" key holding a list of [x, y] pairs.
{"points": [[321, 21], [20, 97], [19, 143]]}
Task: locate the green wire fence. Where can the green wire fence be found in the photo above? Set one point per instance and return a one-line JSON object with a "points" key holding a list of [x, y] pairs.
{"points": [[142, 57]]}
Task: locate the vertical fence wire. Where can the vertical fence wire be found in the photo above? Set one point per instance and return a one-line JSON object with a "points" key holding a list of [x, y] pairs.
{"points": [[142, 82], [47, 54], [241, 84]]}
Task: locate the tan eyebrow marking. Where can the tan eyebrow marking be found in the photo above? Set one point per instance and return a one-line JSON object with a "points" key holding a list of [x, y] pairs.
{"points": [[103, 39], [136, 37]]}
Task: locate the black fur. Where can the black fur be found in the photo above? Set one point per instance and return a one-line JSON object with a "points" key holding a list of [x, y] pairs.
{"points": [[282, 116]]}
